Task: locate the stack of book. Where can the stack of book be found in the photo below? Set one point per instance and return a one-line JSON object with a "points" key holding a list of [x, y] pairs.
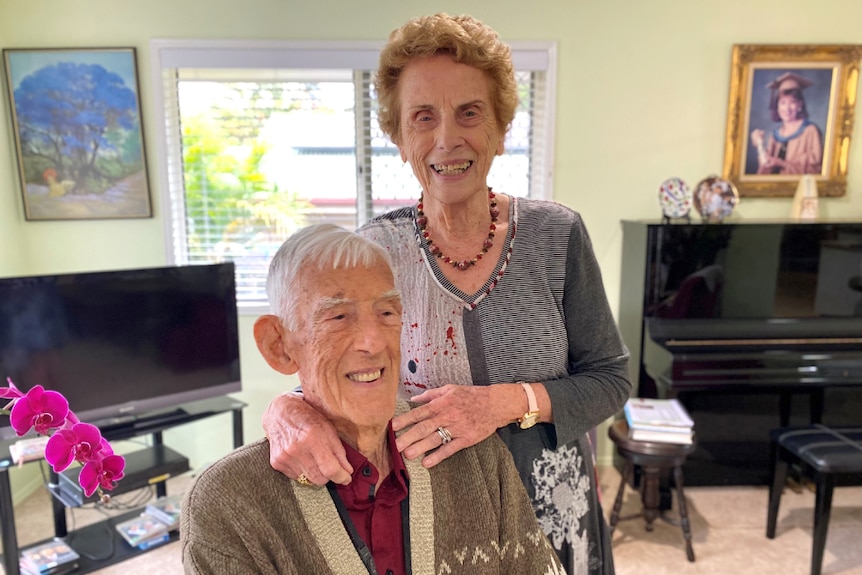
{"points": [[51, 558], [660, 420]]}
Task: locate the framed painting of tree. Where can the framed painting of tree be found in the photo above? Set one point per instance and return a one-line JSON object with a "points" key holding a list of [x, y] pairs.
{"points": [[76, 119]]}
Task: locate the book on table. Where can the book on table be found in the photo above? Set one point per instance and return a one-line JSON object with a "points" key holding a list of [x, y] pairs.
{"points": [[685, 438], [661, 420]]}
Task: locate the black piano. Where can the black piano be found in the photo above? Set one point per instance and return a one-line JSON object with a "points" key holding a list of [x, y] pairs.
{"points": [[751, 325]]}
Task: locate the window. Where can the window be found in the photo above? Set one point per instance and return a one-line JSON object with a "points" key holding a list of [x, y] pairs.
{"points": [[261, 138]]}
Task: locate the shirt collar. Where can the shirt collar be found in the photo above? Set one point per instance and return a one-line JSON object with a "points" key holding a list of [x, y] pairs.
{"points": [[784, 139], [365, 475]]}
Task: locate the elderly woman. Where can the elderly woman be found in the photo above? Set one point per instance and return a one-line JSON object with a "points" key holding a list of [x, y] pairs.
{"points": [[338, 324], [507, 328]]}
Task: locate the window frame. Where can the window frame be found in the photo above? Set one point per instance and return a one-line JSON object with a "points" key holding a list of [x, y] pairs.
{"points": [[167, 54]]}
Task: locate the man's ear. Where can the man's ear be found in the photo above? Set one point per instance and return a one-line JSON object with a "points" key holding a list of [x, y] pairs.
{"points": [[271, 338]]}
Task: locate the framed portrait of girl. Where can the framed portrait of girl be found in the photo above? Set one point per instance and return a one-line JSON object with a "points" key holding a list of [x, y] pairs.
{"points": [[790, 114]]}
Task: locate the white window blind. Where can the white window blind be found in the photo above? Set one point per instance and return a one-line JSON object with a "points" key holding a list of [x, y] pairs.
{"points": [[262, 138]]}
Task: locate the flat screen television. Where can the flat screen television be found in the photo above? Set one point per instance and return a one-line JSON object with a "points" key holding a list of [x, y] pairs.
{"points": [[121, 344]]}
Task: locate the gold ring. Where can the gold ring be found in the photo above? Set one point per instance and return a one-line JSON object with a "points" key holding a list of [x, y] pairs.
{"points": [[303, 480]]}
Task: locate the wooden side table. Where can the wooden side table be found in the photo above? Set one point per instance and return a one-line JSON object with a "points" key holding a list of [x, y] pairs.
{"points": [[652, 457]]}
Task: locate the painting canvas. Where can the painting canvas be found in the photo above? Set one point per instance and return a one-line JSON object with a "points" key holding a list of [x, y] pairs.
{"points": [[77, 126], [778, 97], [790, 115]]}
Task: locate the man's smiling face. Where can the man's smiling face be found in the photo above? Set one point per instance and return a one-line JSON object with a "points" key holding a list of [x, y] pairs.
{"points": [[347, 344]]}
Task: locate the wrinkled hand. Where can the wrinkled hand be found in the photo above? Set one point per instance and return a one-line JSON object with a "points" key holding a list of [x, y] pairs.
{"points": [[469, 413], [301, 441]]}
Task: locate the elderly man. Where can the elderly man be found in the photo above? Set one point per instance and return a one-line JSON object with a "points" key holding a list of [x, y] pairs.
{"points": [[337, 324]]}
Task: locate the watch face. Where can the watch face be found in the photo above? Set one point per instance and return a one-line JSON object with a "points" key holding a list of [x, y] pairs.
{"points": [[529, 420], [674, 195]]}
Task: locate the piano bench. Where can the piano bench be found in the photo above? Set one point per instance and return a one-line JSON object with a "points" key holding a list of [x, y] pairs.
{"points": [[653, 457], [833, 455]]}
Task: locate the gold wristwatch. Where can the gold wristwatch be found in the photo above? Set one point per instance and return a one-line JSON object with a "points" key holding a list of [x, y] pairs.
{"points": [[530, 418]]}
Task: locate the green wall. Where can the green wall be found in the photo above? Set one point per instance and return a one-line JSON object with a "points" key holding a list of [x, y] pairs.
{"points": [[641, 96]]}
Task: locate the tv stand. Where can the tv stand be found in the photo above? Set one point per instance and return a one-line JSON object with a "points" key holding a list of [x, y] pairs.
{"points": [[153, 424]]}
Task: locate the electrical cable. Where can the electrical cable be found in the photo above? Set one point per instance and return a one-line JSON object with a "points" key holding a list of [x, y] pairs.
{"points": [[132, 500]]}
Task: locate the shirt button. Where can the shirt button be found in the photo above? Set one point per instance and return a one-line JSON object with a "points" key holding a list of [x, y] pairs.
{"points": [[366, 471]]}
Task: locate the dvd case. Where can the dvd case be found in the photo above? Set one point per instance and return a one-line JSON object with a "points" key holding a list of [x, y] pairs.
{"points": [[52, 557], [167, 510], [141, 529], [153, 541]]}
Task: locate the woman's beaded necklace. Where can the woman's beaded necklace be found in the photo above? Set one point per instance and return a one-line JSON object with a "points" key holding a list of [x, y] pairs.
{"points": [[422, 223]]}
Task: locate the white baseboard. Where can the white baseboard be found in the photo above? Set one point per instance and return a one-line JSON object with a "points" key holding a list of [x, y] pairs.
{"points": [[605, 460]]}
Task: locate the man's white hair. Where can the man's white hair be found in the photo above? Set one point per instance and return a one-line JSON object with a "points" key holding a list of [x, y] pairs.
{"points": [[319, 246]]}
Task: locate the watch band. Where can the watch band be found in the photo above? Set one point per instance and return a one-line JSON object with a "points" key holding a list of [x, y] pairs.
{"points": [[532, 404], [530, 418]]}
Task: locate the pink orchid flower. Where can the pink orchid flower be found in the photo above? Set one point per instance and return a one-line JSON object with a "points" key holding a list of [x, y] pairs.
{"points": [[82, 443], [48, 411], [102, 473], [44, 410], [10, 392]]}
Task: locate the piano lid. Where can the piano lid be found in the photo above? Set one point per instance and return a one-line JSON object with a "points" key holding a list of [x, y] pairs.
{"points": [[754, 272]]}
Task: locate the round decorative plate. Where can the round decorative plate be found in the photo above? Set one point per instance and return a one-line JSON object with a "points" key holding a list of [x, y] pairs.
{"points": [[674, 195], [715, 198]]}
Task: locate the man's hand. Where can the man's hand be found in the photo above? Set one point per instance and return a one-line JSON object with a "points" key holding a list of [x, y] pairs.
{"points": [[303, 442], [469, 413]]}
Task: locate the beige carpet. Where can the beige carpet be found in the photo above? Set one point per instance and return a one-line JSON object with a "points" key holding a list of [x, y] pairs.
{"points": [[728, 525], [729, 533]]}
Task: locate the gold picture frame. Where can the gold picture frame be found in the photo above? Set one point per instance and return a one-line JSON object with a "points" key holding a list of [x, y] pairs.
{"points": [[76, 121], [801, 98]]}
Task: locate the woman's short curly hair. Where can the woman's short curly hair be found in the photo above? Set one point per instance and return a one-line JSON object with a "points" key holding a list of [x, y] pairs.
{"points": [[468, 41]]}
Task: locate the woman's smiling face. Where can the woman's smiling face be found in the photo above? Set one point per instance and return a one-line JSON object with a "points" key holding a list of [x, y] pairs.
{"points": [[789, 107], [449, 131]]}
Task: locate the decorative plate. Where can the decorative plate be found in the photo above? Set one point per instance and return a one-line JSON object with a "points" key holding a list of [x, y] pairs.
{"points": [[674, 195], [715, 198]]}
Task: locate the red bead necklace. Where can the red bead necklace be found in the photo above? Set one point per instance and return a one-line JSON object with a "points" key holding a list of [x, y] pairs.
{"points": [[422, 222]]}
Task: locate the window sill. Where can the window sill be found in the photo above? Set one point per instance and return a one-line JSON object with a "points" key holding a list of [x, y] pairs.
{"points": [[252, 308]]}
